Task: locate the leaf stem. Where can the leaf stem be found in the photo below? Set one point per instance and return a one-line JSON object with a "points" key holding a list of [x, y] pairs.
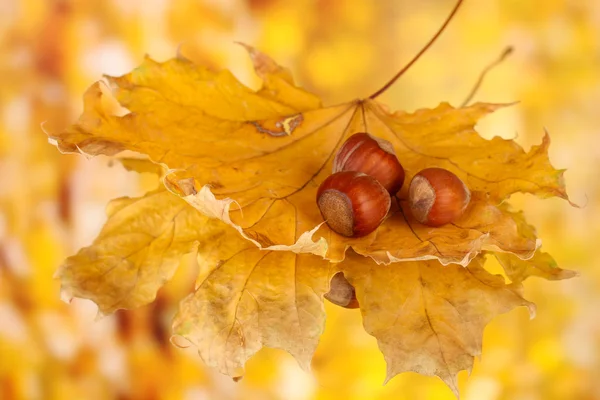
{"points": [[487, 69], [420, 53]]}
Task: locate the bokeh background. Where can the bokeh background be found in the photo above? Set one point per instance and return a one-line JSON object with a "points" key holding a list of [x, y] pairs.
{"points": [[52, 50]]}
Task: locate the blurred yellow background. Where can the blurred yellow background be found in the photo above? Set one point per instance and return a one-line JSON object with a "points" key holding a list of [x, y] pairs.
{"points": [[51, 205]]}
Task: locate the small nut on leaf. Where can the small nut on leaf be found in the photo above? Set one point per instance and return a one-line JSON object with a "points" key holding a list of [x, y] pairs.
{"points": [[341, 292], [353, 204], [437, 197], [373, 156]]}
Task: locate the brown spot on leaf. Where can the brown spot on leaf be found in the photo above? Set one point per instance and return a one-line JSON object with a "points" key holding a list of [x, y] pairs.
{"points": [[282, 127]]}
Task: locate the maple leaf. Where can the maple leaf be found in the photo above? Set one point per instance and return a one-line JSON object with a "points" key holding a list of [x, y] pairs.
{"points": [[263, 157], [541, 264], [246, 298], [253, 299], [425, 316], [136, 252], [242, 171]]}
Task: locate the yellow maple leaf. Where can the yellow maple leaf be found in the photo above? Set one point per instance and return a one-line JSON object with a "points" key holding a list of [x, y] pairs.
{"points": [[541, 264], [248, 164], [136, 252], [243, 300], [429, 318], [264, 158], [253, 299]]}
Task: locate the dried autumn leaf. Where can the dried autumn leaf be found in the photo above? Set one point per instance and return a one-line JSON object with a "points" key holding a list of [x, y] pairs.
{"points": [[140, 165], [482, 227], [246, 298], [253, 299], [430, 318], [254, 160], [541, 264], [263, 154], [136, 252]]}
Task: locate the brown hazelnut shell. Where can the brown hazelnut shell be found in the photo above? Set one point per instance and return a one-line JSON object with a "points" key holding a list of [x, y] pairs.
{"points": [[341, 292], [372, 156], [352, 203], [437, 197]]}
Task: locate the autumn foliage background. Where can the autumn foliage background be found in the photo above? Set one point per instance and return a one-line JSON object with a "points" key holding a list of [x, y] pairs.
{"points": [[51, 51]]}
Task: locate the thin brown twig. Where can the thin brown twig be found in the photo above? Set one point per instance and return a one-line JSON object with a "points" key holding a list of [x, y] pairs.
{"points": [[420, 53], [507, 51]]}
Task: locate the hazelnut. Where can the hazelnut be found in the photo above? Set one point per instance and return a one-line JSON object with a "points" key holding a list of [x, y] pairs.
{"points": [[341, 292], [437, 196], [372, 156], [352, 203]]}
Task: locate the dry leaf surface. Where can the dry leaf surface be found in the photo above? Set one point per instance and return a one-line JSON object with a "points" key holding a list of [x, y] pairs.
{"points": [[253, 299], [241, 172], [137, 251], [265, 153], [429, 318]]}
